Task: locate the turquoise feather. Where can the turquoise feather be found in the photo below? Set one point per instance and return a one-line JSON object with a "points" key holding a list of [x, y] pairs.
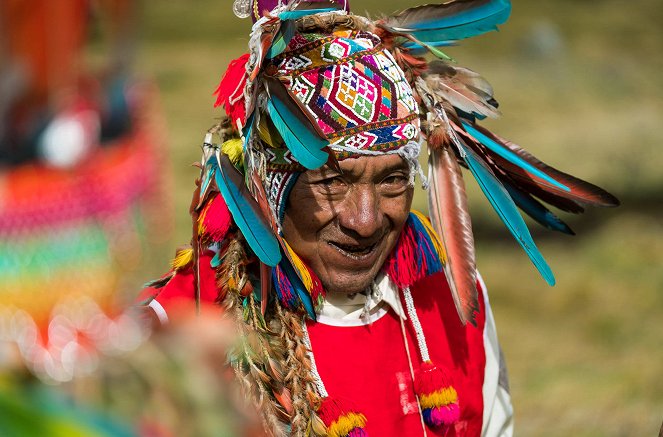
{"points": [[453, 33], [506, 209], [537, 211], [281, 39], [209, 176], [288, 29], [304, 143], [245, 213], [216, 260], [453, 20], [491, 13], [294, 15], [510, 156], [416, 49]]}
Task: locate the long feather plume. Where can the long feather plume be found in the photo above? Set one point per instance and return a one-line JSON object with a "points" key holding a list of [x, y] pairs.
{"points": [[449, 215], [301, 136], [463, 89], [246, 212], [510, 156], [449, 21], [542, 215], [505, 208], [580, 191]]}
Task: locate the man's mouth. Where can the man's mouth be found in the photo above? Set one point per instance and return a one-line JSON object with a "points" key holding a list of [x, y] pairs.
{"points": [[356, 251]]}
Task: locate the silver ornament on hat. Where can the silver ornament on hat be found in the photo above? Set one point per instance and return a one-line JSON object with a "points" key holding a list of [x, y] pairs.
{"points": [[242, 8]]}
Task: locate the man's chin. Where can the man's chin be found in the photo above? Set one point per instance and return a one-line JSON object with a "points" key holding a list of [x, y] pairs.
{"points": [[354, 283]]}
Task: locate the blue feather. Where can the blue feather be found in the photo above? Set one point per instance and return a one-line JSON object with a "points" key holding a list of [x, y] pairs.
{"points": [[304, 143], [537, 211], [443, 22], [510, 156], [453, 33], [245, 214], [506, 209], [247, 131], [281, 39], [216, 260], [492, 13], [294, 15], [209, 176], [417, 49]]}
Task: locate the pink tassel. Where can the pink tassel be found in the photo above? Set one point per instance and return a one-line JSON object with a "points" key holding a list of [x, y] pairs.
{"points": [[441, 416], [438, 398]]}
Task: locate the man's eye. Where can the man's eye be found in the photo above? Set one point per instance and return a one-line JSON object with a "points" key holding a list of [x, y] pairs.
{"points": [[335, 182], [398, 179]]}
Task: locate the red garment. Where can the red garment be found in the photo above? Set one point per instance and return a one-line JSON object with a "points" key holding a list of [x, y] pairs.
{"points": [[369, 364]]}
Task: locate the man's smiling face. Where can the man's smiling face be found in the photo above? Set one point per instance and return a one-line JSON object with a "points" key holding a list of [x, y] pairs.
{"points": [[344, 225]]}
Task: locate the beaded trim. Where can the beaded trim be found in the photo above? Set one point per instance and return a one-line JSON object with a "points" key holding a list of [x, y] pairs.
{"points": [[412, 313]]}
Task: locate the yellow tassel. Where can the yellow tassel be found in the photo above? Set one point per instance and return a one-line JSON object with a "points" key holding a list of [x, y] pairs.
{"points": [[234, 149], [439, 398], [433, 236], [182, 259], [342, 426], [300, 267]]}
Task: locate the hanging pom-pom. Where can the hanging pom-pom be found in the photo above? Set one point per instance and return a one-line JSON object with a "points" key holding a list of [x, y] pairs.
{"points": [[342, 419], [438, 398]]}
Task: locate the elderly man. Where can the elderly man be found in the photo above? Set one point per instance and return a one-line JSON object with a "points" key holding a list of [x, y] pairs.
{"points": [[359, 316]]}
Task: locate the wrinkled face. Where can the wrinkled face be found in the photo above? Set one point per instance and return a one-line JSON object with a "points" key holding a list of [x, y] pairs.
{"points": [[344, 225]]}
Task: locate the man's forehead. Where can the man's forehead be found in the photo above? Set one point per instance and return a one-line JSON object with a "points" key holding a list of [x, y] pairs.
{"points": [[363, 164]]}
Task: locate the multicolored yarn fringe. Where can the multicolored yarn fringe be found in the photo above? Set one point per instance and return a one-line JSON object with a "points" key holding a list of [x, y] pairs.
{"points": [[437, 396], [292, 277], [417, 254], [342, 419]]}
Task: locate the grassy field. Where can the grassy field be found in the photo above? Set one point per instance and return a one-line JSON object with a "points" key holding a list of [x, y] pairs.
{"points": [[580, 86]]}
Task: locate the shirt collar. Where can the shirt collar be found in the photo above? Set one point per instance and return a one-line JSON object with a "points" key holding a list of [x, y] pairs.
{"points": [[342, 306]]}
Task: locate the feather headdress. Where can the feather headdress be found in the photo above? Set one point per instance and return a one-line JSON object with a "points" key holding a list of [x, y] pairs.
{"points": [[282, 106]]}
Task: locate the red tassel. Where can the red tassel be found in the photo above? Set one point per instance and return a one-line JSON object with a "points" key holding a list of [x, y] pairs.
{"points": [[230, 92], [437, 396], [342, 419]]}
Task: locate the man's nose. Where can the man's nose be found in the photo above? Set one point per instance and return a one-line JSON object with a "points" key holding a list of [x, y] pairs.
{"points": [[360, 212]]}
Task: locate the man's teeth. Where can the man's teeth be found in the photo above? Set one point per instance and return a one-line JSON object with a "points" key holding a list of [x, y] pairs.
{"points": [[358, 250]]}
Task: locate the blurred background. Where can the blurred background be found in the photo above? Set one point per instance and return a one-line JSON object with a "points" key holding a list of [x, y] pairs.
{"points": [[580, 87]]}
